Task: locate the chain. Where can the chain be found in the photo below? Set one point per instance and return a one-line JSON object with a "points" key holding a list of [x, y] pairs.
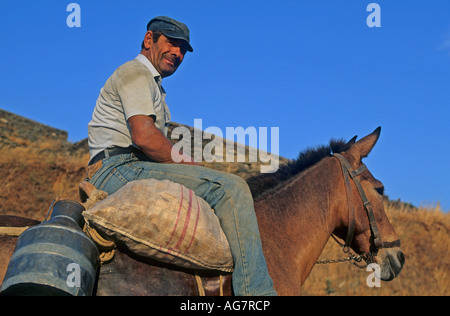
{"points": [[352, 258]]}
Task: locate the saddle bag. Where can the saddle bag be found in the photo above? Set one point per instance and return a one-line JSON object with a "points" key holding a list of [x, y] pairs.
{"points": [[164, 221]]}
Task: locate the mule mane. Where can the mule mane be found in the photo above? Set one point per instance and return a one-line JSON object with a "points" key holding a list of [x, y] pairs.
{"points": [[264, 182]]}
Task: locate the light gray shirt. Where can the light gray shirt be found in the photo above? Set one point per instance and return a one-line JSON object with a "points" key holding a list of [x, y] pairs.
{"points": [[133, 89]]}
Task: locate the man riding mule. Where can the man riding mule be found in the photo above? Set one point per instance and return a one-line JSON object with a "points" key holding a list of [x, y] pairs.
{"points": [[128, 141], [289, 215], [326, 191]]}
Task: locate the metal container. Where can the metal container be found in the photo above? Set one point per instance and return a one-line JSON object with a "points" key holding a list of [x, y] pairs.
{"points": [[54, 258]]}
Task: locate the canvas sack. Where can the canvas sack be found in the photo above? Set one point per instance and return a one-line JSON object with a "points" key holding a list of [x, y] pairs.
{"points": [[165, 221]]}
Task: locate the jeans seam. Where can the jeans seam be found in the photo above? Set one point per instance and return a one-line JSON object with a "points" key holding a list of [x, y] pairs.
{"points": [[238, 232], [241, 246]]}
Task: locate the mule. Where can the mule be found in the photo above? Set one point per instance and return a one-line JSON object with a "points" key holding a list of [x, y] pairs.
{"points": [[305, 202], [326, 191]]}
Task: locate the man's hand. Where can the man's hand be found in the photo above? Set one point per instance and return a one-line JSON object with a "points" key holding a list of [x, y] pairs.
{"points": [[151, 141]]}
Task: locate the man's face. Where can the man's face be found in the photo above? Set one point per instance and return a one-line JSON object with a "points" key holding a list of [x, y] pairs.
{"points": [[166, 54]]}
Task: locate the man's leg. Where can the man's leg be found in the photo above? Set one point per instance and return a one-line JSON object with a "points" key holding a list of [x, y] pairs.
{"points": [[227, 194]]}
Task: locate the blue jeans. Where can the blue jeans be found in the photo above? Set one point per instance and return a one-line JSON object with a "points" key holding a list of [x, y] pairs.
{"points": [[227, 194]]}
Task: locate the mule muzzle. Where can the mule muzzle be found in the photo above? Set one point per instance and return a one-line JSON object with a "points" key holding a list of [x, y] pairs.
{"points": [[391, 262]]}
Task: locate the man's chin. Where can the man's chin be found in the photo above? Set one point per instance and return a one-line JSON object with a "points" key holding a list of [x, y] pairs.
{"points": [[169, 71]]}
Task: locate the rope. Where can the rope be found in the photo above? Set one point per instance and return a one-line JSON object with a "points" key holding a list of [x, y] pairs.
{"points": [[106, 248], [50, 210], [201, 290]]}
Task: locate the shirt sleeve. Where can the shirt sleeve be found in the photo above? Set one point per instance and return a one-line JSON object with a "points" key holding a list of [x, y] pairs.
{"points": [[137, 91]]}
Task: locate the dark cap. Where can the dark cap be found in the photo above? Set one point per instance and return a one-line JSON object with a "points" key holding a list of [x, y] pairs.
{"points": [[170, 28]]}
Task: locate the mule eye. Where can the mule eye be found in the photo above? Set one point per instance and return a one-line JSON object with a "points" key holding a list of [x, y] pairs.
{"points": [[380, 190]]}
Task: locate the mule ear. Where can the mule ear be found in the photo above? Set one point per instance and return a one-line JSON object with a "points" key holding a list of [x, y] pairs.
{"points": [[364, 146], [352, 141]]}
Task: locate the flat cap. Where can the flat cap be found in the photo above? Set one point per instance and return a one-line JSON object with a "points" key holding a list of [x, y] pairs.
{"points": [[170, 28]]}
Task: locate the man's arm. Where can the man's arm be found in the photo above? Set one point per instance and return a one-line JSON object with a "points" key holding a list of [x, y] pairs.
{"points": [[151, 141]]}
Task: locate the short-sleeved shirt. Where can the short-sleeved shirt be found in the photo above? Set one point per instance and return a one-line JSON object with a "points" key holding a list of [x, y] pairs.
{"points": [[133, 89]]}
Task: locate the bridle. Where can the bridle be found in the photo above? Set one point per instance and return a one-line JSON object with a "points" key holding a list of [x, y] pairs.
{"points": [[378, 244]]}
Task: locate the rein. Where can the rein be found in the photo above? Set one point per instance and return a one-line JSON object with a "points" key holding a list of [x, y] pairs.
{"points": [[348, 174]]}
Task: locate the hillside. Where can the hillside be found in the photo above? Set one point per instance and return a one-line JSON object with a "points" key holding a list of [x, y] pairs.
{"points": [[38, 164]]}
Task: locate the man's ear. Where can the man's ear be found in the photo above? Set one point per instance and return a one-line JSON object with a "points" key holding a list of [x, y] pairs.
{"points": [[148, 40]]}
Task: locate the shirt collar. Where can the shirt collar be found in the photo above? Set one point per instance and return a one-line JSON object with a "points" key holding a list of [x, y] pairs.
{"points": [[150, 67]]}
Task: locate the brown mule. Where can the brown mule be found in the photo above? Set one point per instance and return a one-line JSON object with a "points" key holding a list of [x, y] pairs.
{"points": [[307, 201]]}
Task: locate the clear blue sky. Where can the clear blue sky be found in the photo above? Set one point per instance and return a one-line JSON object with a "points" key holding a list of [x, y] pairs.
{"points": [[312, 68]]}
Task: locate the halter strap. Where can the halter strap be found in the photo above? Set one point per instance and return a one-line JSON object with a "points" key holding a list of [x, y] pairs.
{"points": [[351, 208], [347, 171]]}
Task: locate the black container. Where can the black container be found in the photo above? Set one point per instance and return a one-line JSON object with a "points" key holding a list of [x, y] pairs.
{"points": [[54, 258]]}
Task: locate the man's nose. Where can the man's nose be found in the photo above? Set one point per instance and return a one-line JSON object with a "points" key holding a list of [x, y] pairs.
{"points": [[178, 52]]}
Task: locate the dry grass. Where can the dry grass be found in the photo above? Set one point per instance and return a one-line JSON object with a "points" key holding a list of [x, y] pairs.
{"points": [[33, 176], [424, 233]]}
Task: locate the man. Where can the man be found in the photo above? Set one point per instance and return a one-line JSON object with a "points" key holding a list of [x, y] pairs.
{"points": [[127, 141]]}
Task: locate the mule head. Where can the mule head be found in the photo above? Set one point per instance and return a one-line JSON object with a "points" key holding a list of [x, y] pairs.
{"points": [[377, 239]]}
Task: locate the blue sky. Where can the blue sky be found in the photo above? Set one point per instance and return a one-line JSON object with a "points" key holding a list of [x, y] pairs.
{"points": [[312, 68]]}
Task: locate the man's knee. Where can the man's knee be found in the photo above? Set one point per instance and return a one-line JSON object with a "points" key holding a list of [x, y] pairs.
{"points": [[234, 183]]}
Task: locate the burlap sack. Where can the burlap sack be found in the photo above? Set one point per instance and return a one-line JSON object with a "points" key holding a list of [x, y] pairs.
{"points": [[165, 221]]}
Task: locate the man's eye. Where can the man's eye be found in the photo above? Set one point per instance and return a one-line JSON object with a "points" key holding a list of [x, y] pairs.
{"points": [[172, 42]]}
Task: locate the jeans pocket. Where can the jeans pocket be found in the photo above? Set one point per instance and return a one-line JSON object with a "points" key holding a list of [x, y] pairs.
{"points": [[113, 181]]}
